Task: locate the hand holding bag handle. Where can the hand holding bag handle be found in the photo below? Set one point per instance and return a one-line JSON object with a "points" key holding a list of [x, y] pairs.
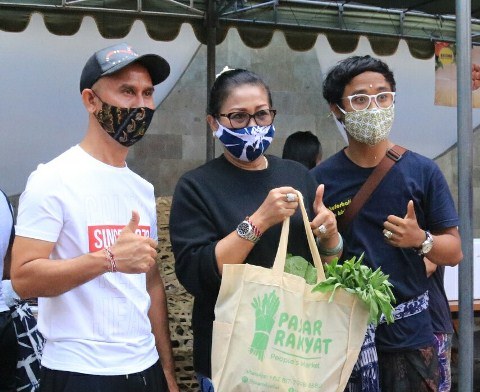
{"points": [[279, 263], [257, 341]]}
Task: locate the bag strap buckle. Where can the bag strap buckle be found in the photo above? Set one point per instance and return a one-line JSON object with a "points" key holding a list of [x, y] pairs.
{"points": [[393, 155]]}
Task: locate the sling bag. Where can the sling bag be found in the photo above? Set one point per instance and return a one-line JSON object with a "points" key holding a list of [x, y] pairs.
{"points": [[392, 156]]}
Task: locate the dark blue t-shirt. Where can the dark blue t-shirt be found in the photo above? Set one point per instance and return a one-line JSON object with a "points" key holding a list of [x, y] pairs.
{"points": [[438, 306], [415, 178]]}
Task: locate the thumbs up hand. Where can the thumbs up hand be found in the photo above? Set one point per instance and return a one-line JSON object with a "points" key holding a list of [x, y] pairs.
{"points": [[132, 225], [324, 225], [404, 232], [318, 203], [134, 253]]}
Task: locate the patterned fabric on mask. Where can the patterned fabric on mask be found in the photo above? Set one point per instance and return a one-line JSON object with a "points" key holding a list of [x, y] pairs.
{"points": [[126, 125], [369, 126], [248, 143]]}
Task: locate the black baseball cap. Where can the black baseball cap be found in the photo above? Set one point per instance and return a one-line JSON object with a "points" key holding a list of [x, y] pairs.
{"points": [[116, 57]]}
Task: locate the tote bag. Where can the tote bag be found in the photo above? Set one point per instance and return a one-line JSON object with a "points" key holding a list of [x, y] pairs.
{"points": [[271, 333]]}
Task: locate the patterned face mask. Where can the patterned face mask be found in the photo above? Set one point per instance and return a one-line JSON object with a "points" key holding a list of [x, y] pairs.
{"points": [[126, 125], [369, 126], [248, 143]]}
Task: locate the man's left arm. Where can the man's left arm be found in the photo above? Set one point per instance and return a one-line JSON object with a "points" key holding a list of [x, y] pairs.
{"points": [[158, 315]]}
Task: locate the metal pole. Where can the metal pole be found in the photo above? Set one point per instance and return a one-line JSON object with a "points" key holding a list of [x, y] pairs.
{"points": [[465, 193], [211, 44]]}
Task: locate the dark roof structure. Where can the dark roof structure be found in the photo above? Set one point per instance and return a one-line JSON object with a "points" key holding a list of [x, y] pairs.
{"points": [[383, 22]]}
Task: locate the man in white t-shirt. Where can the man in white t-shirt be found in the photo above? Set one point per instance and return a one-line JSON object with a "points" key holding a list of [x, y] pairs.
{"points": [[86, 242]]}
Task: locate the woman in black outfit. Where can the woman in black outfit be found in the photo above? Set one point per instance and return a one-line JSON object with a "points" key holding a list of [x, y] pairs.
{"points": [[229, 210]]}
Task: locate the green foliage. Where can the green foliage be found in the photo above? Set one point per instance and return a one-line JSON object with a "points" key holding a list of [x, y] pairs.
{"points": [[371, 286], [297, 265]]}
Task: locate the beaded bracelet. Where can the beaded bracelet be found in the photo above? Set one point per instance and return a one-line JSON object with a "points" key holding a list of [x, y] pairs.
{"points": [[333, 251], [111, 259], [257, 232]]}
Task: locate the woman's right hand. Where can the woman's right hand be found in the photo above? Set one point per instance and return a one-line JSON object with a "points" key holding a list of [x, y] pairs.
{"points": [[275, 208]]}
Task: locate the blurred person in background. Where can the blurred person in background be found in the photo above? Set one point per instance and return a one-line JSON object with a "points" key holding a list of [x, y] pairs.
{"points": [[8, 338], [303, 147]]}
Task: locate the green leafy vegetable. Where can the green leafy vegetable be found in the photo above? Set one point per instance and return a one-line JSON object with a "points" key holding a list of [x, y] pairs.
{"points": [[311, 274], [297, 265], [371, 286]]}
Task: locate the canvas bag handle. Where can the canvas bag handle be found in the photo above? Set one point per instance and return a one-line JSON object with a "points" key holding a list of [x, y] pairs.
{"points": [[279, 263]]}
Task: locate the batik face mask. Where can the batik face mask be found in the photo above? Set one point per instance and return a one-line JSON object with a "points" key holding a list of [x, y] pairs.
{"points": [[369, 126], [126, 125], [248, 143]]}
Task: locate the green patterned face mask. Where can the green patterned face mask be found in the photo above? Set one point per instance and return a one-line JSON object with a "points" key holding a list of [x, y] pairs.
{"points": [[369, 126]]}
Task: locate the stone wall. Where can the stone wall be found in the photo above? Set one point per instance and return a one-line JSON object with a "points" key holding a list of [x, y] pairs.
{"points": [[179, 302], [176, 141]]}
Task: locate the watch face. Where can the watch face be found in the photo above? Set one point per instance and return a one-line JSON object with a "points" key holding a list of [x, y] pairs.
{"points": [[427, 247], [244, 228], [427, 244]]}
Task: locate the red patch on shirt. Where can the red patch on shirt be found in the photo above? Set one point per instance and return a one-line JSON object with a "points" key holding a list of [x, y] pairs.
{"points": [[103, 236]]}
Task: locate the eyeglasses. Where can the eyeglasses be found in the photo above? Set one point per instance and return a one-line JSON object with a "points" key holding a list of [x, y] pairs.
{"points": [[241, 119], [383, 100]]}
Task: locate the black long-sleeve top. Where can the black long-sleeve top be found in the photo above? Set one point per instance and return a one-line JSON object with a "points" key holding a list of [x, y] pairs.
{"points": [[208, 204]]}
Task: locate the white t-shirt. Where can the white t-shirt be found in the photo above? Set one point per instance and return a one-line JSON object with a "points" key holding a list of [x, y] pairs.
{"points": [[6, 222], [81, 204]]}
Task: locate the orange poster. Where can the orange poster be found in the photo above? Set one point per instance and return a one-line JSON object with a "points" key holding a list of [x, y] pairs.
{"points": [[446, 75]]}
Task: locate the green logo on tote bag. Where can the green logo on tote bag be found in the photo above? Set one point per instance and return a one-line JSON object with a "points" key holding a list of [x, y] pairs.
{"points": [[295, 337], [265, 310]]}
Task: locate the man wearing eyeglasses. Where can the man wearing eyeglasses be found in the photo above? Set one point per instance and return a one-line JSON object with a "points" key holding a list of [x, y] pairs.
{"points": [[408, 215]]}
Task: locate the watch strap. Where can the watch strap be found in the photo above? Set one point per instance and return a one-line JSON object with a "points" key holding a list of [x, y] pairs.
{"points": [[427, 243], [257, 232], [248, 231]]}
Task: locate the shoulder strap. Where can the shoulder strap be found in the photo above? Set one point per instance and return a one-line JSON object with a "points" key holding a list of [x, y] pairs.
{"points": [[392, 156]]}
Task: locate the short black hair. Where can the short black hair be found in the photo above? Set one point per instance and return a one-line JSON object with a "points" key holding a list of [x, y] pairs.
{"points": [[303, 147], [226, 81], [345, 70]]}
